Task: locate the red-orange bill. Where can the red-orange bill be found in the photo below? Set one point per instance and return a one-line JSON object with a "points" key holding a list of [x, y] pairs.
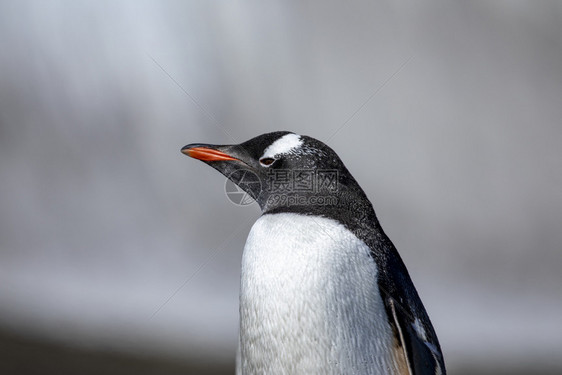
{"points": [[207, 154]]}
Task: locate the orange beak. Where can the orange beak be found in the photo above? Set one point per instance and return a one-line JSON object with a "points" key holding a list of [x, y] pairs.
{"points": [[206, 154]]}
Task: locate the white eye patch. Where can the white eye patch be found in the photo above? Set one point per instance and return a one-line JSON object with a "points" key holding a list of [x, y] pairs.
{"points": [[284, 145]]}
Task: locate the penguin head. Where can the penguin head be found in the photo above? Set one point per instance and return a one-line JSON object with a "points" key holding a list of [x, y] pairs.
{"points": [[278, 169]]}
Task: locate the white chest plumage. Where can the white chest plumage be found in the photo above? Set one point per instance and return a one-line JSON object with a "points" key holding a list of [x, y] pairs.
{"points": [[309, 301]]}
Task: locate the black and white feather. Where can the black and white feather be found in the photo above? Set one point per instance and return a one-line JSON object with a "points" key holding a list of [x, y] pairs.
{"points": [[323, 289]]}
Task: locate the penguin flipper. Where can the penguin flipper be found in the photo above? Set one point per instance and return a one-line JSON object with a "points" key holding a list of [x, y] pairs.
{"points": [[422, 357]]}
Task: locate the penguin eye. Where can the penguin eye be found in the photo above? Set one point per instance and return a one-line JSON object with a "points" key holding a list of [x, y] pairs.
{"points": [[266, 162]]}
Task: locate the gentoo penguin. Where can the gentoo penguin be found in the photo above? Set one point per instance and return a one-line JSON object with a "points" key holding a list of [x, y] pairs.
{"points": [[323, 289]]}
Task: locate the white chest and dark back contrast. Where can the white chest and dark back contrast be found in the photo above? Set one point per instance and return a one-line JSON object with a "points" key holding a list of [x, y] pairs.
{"points": [[323, 289]]}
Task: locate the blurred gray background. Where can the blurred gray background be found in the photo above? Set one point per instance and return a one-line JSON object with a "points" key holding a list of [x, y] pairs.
{"points": [[117, 251]]}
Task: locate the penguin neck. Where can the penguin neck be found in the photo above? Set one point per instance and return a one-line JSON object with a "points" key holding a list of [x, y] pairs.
{"points": [[348, 205]]}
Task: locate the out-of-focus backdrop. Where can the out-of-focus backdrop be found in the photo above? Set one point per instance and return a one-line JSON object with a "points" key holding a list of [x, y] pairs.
{"points": [[119, 255]]}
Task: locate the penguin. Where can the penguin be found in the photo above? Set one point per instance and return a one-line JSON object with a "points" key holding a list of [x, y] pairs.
{"points": [[323, 289]]}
